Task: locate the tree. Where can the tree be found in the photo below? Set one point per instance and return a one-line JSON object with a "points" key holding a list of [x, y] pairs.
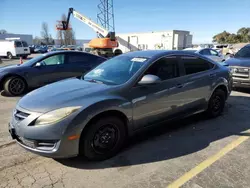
{"points": [[221, 37], [3, 31], [45, 33], [244, 32], [37, 41], [66, 37], [242, 35]]}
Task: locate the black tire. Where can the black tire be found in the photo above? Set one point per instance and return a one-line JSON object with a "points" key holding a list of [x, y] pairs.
{"points": [[216, 103], [14, 86], [24, 57], [118, 52], [93, 139], [9, 55]]}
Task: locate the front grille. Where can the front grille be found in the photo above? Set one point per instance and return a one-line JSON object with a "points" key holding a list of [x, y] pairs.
{"points": [[19, 115], [240, 72]]}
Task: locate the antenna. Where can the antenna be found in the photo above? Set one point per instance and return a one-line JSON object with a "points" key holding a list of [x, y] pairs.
{"points": [[105, 15]]}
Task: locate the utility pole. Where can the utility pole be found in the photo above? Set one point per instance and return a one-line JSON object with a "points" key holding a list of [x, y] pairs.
{"points": [[105, 15]]}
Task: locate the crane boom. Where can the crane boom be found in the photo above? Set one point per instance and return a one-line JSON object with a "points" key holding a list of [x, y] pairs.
{"points": [[106, 41], [97, 28]]}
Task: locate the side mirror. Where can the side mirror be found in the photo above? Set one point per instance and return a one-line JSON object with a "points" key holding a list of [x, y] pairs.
{"points": [[38, 64], [149, 79]]}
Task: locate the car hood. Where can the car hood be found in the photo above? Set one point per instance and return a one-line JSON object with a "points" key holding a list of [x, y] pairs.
{"points": [[8, 67], [69, 92], [245, 62]]}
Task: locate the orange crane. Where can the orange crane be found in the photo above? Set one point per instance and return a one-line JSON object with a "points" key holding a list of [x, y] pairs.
{"points": [[104, 45]]}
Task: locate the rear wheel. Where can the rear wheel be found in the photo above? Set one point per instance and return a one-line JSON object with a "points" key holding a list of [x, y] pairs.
{"points": [[9, 55], [216, 103], [14, 86], [103, 138]]}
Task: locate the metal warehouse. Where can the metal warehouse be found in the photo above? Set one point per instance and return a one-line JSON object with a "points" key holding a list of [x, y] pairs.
{"points": [[167, 40], [25, 37]]}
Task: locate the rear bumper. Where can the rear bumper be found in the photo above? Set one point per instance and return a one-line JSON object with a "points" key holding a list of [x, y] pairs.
{"points": [[24, 54]]}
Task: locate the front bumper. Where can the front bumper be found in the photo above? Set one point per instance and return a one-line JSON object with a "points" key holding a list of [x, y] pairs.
{"points": [[49, 140], [241, 76], [241, 83]]}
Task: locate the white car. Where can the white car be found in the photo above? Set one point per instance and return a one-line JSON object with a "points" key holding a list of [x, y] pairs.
{"points": [[14, 48], [208, 52]]}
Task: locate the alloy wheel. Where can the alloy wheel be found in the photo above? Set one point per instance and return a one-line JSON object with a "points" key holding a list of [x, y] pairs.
{"points": [[16, 86]]}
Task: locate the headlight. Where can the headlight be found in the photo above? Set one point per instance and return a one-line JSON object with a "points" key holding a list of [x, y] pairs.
{"points": [[56, 115]]}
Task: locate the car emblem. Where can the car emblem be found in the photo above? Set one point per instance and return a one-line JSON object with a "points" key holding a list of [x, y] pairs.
{"points": [[236, 70]]}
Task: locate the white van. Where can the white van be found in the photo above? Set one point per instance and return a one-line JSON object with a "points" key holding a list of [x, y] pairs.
{"points": [[14, 48]]}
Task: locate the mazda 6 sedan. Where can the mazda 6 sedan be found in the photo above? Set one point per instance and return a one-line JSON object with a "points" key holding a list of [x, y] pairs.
{"points": [[94, 115], [44, 69]]}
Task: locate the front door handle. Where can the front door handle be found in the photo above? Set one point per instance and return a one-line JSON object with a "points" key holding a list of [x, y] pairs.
{"points": [[179, 85], [212, 75]]}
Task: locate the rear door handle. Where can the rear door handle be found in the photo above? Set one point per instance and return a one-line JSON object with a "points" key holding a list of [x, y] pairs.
{"points": [[179, 85]]}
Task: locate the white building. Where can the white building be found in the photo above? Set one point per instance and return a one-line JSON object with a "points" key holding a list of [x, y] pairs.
{"points": [[167, 40], [24, 37]]}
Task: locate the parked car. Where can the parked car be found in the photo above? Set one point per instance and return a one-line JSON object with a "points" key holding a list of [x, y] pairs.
{"points": [[45, 69], [240, 66], [32, 48], [208, 52], [95, 114], [41, 49], [14, 48]]}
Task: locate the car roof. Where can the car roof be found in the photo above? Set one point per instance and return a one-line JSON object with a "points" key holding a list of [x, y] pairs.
{"points": [[69, 51], [157, 53]]}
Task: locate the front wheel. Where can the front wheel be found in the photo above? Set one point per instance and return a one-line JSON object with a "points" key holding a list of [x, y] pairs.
{"points": [[103, 138], [216, 103], [14, 86]]}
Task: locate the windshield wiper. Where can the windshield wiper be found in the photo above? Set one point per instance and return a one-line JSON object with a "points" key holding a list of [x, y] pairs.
{"points": [[95, 81]]}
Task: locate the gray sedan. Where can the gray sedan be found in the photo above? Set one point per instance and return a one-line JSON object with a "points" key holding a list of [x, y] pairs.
{"points": [[95, 114], [209, 53]]}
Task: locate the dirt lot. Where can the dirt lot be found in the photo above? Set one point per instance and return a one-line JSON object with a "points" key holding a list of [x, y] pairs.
{"points": [[195, 152]]}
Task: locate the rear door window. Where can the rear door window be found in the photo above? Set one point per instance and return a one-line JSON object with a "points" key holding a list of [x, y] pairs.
{"points": [[194, 65]]}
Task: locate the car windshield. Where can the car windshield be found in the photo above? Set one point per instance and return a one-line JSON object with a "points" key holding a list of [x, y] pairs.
{"points": [[117, 70], [33, 60], [243, 52]]}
